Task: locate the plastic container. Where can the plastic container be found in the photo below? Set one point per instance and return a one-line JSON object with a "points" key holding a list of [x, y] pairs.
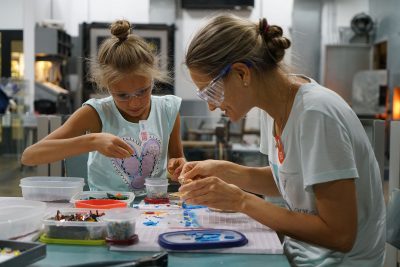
{"points": [[86, 195], [74, 230], [156, 188], [19, 217], [120, 223], [50, 188], [100, 204]]}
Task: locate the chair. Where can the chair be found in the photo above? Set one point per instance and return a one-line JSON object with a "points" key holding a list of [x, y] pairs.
{"points": [[394, 183], [202, 135], [45, 125], [375, 130], [73, 166], [393, 219], [77, 167]]}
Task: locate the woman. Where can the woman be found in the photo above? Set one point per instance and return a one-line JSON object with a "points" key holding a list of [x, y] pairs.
{"points": [[320, 159]]}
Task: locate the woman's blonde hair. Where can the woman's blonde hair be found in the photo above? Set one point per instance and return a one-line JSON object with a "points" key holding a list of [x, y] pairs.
{"points": [[124, 54], [227, 39]]}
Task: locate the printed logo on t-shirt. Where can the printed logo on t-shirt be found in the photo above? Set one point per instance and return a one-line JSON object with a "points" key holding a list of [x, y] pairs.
{"points": [[142, 164]]}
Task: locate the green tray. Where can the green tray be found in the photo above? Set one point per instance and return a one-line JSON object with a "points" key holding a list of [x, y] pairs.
{"points": [[45, 239]]}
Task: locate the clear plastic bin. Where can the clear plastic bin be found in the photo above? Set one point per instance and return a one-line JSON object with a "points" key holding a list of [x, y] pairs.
{"points": [[77, 230], [86, 195], [48, 188], [156, 188], [19, 217]]}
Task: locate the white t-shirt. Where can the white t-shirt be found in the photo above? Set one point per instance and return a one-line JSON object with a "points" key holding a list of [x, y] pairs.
{"points": [[324, 141]]}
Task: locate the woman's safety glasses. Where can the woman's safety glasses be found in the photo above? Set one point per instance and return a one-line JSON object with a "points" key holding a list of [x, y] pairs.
{"points": [[213, 93]]}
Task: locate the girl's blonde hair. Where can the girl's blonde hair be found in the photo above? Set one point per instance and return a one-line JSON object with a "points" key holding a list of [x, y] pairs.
{"points": [[227, 39], [124, 54]]}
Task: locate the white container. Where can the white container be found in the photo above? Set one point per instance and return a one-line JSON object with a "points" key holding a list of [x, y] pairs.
{"points": [[85, 195], [120, 223], [77, 230], [47, 188], [19, 217], [156, 188]]}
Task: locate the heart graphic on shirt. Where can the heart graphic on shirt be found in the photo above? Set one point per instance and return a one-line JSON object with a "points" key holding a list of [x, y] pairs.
{"points": [[141, 164]]}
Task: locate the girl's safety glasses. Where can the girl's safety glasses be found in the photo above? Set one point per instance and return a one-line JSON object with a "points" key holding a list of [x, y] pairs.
{"points": [[213, 93], [141, 93]]}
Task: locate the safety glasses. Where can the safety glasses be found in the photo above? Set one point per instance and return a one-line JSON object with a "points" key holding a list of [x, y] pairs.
{"points": [[139, 94], [213, 93]]}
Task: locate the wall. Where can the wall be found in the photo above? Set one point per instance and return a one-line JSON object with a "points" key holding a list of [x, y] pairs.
{"points": [[337, 15], [306, 35], [346, 9], [74, 12], [189, 21], [11, 15], [385, 13]]}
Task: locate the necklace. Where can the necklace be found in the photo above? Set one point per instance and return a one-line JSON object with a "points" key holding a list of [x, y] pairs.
{"points": [[278, 140]]}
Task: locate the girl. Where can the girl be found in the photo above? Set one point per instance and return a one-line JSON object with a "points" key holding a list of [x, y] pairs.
{"points": [[129, 134]]}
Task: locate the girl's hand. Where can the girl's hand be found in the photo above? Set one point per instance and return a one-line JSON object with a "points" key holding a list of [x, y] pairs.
{"points": [[111, 146], [214, 193], [175, 166]]}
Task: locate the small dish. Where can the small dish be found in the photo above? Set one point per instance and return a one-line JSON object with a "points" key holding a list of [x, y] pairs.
{"points": [[121, 224], [157, 188]]}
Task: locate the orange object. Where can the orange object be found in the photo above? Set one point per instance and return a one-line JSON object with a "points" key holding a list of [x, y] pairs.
{"points": [[100, 204], [396, 103]]}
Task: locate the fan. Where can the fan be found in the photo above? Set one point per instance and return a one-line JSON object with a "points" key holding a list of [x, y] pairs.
{"points": [[362, 24]]}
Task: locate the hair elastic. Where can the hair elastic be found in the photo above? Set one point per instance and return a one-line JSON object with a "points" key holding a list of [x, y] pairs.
{"points": [[263, 26]]}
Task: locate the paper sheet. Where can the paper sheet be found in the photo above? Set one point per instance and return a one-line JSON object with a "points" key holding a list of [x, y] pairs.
{"points": [[155, 220]]}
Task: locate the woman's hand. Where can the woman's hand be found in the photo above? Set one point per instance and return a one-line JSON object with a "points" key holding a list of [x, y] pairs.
{"points": [[111, 146], [200, 169], [214, 193], [175, 166]]}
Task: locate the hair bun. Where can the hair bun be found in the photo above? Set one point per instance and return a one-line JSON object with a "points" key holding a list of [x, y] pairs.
{"points": [[121, 29]]}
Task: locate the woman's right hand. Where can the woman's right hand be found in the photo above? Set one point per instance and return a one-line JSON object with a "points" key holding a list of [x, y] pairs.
{"points": [[111, 146], [199, 169], [214, 193]]}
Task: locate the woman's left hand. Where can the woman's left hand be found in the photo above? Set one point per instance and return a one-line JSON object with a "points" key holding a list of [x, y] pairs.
{"points": [[214, 193], [175, 166]]}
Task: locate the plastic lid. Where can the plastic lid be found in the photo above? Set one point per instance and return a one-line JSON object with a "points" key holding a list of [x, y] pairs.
{"points": [[156, 181], [45, 239], [155, 185], [12, 210], [19, 217], [52, 181], [100, 204], [121, 214], [87, 195]]}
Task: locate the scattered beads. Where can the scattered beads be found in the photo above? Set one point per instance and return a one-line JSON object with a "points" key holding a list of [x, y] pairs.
{"points": [[8, 253]]}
